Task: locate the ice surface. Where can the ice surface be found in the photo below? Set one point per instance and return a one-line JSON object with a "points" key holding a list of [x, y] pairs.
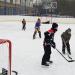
{"points": [[27, 53]]}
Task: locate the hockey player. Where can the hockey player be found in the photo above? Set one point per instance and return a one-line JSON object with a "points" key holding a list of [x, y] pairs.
{"points": [[65, 41], [48, 43], [37, 28], [24, 24]]}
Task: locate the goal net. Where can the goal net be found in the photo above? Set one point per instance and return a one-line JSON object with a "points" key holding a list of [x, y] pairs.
{"points": [[5, 57]]}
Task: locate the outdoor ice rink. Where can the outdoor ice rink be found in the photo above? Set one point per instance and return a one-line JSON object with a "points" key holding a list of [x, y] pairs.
{"points": [[27, 53]]}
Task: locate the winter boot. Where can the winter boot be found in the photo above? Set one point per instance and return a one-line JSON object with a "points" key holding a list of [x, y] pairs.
{"points": [[49, 62], [45, 64]]}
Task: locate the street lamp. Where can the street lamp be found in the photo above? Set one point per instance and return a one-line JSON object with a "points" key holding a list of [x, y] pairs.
{"points": [[4, 7], [25, 7], [53, 7]]}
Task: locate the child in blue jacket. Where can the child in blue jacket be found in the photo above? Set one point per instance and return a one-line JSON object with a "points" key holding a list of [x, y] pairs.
{"points": [[37, 28]]}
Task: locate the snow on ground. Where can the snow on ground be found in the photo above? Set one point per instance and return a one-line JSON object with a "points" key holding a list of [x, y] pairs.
{"points": [[27, 53]]}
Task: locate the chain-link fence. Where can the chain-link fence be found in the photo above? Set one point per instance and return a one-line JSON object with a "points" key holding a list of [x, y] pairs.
{"points": [[63, 8]]}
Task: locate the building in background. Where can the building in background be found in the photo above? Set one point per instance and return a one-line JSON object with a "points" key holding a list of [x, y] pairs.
{"points": [[15, 7], [9, 7], [25, 7], [37, 7]]}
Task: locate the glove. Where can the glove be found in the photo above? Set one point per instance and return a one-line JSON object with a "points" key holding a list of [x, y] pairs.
{"points": [[46, 33], [53, 44]]}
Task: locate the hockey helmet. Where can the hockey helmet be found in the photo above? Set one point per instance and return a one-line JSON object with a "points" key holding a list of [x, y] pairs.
{"points": [[54, 25]]}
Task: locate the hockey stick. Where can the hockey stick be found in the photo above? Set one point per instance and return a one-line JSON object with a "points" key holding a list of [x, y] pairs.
{"points": [[16, 73], [64, 56]]}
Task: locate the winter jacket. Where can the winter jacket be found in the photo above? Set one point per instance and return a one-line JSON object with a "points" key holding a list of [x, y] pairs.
{"points": [[24, 22], [66, 36], [49, 37], [37, 25]]}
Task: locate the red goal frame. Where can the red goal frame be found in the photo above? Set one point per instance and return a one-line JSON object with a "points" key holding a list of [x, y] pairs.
{"points": [[10, 56]]}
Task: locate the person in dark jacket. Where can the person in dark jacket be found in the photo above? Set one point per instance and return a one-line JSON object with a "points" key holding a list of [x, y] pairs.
{"points": [[48, 43], [65, 36], [37, 28], [24, 24]]}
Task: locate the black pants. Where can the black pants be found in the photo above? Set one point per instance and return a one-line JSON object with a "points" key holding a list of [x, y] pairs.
{"points": [[47, 54], [24, 27], [37, 30], [67, 46]]}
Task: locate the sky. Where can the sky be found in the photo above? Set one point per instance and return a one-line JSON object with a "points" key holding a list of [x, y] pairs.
{"points": [[27, 53]]}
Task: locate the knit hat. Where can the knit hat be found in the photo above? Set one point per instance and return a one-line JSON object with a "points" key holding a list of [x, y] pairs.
{"points": [[69, 29]]}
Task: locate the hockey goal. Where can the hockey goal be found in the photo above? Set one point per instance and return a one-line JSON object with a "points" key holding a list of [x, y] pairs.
{"points": [[5, 57]]}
